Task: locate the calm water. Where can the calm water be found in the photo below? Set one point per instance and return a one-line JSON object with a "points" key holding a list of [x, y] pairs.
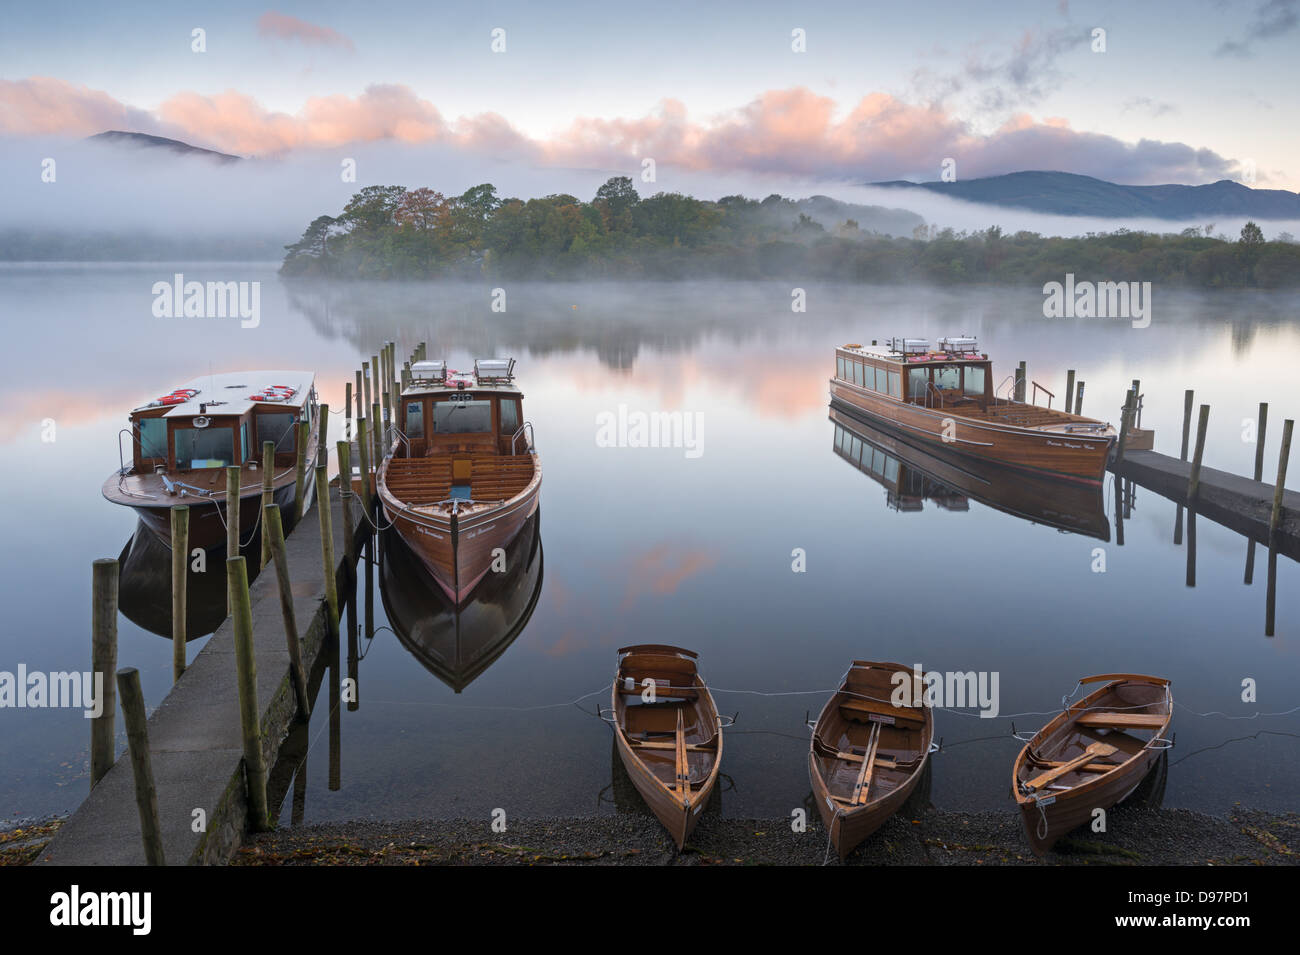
{"points": [[649, 545]]}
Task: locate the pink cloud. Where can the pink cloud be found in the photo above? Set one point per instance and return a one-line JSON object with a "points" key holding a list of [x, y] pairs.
{"points": [[792, 132], [291, 28]]}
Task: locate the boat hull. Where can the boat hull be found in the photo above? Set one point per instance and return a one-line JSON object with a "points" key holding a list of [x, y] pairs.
{"points": [[457, 550], [1066, 456], [207, 527]]}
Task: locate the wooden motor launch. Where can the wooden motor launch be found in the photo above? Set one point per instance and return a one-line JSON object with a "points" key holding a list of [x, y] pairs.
{"points": [[669, 737], [460, 474], [945, 396], [182, 442], [1092, 755], [867, 755]]}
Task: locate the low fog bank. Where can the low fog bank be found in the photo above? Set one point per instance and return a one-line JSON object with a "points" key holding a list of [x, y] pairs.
{"points": [[79, 199]]}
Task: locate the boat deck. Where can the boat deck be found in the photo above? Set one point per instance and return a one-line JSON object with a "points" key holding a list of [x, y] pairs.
{"points": [[429, 480], [1016, 414]]}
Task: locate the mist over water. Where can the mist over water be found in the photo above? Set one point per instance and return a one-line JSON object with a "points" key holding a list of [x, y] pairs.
{"points": [[648, 545]]}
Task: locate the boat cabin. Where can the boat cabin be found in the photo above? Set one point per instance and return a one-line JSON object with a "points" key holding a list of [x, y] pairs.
{"points": [[911, 371], [222, 420], [447, 411]]}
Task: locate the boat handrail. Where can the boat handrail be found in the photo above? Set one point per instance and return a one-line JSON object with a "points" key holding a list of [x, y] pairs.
{"points": [[930, 386], [401, 436], [121, 458], [532, 446], [1037, 388], [1013, 378]]}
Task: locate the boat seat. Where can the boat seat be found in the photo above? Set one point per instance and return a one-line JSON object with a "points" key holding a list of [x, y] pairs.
{"points": [[661, 692], [1121, 721], [861, 711]]}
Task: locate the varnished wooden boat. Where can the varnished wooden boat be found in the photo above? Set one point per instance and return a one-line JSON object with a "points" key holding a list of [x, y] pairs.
{"points": [[866, 754], [461, 474], [458, 643], [182, 443], [672, 747], [946, 397], [1092, 755], [912, 475]]}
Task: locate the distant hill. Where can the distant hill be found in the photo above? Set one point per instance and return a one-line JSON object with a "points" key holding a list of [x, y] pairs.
{"points": [[1064, 193], [144, 140]]}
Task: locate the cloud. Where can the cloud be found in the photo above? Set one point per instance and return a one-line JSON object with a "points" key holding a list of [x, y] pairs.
{"points": [[1151, 107], [285, 27], [786, 132], [1273, 18]]}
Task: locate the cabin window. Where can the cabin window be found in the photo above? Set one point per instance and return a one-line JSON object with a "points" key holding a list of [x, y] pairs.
{"points": [[855, 449], [839, 438], [857, 373], [948, 377], [243, 440], [152, 434], [895, 384], [276, 427], [917, 380], [975, 380], [891, 469], [839, 368], [509, 417], [462, 417], [878, 382], [414, 419], [205, 447]]}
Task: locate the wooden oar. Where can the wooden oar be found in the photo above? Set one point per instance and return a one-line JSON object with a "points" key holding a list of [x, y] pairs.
{"points": [[1094, 750], [683, 766], [863, 785]]}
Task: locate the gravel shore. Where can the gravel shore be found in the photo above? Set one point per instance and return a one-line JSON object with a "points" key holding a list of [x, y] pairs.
{"points": [[1136, 837]]}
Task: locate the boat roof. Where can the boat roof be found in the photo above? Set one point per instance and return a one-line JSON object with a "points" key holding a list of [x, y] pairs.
{"points": [[920, 350], [432, 376], [230, 393]]}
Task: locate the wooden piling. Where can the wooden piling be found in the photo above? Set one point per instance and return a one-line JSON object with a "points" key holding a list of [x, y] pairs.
{"points": [[1069, 391], [246, 665], [1126, 417], [1078, 399], [180, 568], [232, 510], [1194, 482], [268, 494], [297, 675], [1187, 422], [1021, 380], [1137, 403], [347, 410], [103, 664], [357, 391], [380, 433], [327, 545], [1259, 440], [1283, 455], [323, 430], [137, 739], [345, 495], [363, 451], [370, 377], [300, 472]]}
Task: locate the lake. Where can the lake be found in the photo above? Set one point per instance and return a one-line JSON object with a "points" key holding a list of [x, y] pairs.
{"points": [[763, 547]]}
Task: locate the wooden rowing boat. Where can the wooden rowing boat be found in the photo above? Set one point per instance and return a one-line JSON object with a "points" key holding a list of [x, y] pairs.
{"points": [[946, 397], [668, 733], [458, 643], [866, 754], [460, 474], [183, 442], [912, 475], [1092, 755]]}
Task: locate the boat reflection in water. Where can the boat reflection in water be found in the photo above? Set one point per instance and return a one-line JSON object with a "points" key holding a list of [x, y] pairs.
{"points": [[912, 476], [145, 586], [457, 644]]}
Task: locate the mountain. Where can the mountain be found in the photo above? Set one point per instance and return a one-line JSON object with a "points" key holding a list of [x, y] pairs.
{"points": [[144, 140], [1063, 193]]}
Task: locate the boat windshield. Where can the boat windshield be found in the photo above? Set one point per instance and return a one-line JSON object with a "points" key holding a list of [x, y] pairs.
{"points": [[974, 381], [205, 447], [462, 417], [152, 433]]}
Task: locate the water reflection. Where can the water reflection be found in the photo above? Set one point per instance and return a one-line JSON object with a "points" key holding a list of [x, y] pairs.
{"points": [[911, 476], [145, 587], [457, 644]]}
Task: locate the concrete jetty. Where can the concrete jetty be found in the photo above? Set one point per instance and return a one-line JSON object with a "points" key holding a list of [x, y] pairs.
{"points": [[195, 744]]}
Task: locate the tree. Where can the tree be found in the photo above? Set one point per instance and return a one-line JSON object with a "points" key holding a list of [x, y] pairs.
{"points": [[616, 199], [1251, 234], [372, 208]]}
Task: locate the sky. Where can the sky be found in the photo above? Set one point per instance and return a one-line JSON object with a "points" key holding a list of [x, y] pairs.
{"points": [[1191, 92]]}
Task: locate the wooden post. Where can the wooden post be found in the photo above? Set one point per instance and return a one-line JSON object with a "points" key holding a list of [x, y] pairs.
{"points": [[376, 390], [368, 374], [357, 391], [1137, 403], [347, 410], [180, 568], [327, 545], [1191, 547], [246, 665], [1259, 441], [1187, 422], [1078, 399], [1069, 391], [103, 664], [268, 493], [1194, 482], [1126, 417], [137, 739], [345, 495], [322, 437], [1021, 380], [232, 510], [300, 472], [297, 676], [381, 436], [1279, 489], [363, 449]]}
